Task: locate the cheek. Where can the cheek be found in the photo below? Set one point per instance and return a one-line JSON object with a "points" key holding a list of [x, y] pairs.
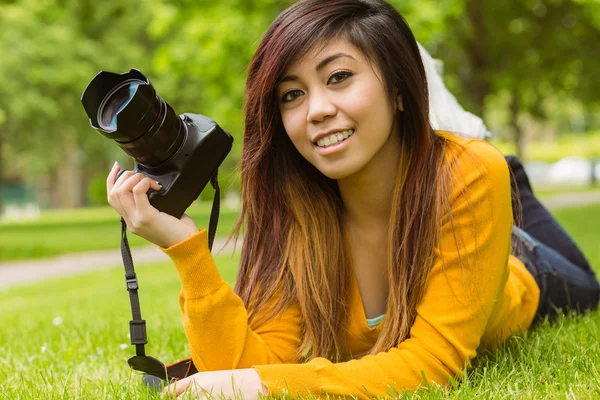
{"points": [[382, 117], [294, 125], [367, 104]]}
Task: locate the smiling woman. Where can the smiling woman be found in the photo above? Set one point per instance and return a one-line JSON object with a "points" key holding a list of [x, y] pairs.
{"points": [[377, 251]]}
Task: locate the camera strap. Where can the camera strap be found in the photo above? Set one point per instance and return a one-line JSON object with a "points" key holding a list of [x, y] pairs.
{"points": [[137, 326]]}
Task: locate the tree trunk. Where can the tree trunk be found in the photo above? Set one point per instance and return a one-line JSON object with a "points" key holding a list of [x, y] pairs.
{"points": [[67, 179], [476, 82], [515, 110]]}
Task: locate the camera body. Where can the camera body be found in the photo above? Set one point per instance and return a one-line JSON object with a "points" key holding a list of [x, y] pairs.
{"points": [[184, 176], [182, 153]]}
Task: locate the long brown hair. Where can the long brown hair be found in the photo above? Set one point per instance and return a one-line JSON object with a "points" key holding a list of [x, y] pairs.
{"points": [[291, 215]]}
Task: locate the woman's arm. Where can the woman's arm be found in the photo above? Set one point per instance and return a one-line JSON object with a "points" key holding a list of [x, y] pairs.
{"points": [[215, 319], [462, 292]]}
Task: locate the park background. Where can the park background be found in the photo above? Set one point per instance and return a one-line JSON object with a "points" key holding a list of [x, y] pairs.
{"points": [[529, 68]]}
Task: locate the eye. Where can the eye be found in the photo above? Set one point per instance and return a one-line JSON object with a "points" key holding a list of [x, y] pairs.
{"points": [[291, 96], [339, 76]]}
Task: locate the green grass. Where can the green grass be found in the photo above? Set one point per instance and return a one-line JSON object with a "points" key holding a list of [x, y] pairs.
{"points": [[86, 229], [82, 357], [574, 144], [544, 192]]}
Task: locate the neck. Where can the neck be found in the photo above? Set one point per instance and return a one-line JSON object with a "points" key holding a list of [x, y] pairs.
{"points": [[367, 195]]}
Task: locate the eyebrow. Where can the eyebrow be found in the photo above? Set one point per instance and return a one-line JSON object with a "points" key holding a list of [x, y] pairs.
{"points": [[319, 67]]}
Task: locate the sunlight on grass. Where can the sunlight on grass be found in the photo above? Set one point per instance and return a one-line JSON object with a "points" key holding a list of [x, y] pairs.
{"points": [[84, 356], [68, 231], [89, 229], [574, 144]]}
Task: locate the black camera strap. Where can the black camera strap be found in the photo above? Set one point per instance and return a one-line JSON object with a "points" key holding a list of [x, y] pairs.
{"points": [[214, 212], [137, 326]]}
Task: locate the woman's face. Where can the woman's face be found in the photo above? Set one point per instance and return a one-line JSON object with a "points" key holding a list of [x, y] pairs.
{"points": [[336, 111]]}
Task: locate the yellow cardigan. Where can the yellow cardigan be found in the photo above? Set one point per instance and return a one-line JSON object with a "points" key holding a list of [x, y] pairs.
{"points": [[468, 306]]}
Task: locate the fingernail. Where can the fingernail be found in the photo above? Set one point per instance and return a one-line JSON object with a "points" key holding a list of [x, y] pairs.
{"points": [[115, 164], [158, 183]]}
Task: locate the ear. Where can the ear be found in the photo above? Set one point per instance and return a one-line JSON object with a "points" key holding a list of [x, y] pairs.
{"points": [[399, 103]]}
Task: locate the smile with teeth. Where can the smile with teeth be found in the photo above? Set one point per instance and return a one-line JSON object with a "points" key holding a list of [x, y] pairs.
{"points": [[335, 138]]}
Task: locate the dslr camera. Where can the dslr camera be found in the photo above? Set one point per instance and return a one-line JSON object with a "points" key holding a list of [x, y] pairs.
{"points": [[182, 153]]}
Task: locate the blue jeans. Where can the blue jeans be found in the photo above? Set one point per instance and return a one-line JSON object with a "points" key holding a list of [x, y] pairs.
{"points": [[561, 271], [563, 285]]}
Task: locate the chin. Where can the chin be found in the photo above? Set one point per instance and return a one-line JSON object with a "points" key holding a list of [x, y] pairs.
{"points": [[339, 173]]}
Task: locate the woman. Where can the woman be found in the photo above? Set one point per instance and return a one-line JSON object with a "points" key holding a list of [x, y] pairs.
{"points": [[377, 251]]}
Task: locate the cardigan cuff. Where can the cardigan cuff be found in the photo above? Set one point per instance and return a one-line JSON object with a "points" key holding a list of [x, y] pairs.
{"points": [[194, 263]]}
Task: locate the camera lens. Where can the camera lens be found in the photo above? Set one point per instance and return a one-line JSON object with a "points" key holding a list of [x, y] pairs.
{"points": [[114, 103], [126, 109]]}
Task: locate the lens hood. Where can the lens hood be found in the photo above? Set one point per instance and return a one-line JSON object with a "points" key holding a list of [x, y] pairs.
{"points": [[126, 108], [101, 87]]}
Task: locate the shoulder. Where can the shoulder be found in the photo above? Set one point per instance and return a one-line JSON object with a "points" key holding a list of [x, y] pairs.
{"points": [[474, 161], [477, 151], [478, 176]]}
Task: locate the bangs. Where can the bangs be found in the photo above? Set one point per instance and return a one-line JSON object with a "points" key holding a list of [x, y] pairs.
{"points": [[310, 32]]}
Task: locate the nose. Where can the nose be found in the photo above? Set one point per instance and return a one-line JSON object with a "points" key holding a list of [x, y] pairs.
{"points": [[320, 107]]}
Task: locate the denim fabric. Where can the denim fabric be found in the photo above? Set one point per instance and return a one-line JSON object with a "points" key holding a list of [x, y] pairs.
{"points": [[563, 285], [561, 271], [536, 219]]}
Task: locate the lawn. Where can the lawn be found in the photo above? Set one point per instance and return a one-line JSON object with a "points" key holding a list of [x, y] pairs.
{"points": [[67, 338], [85, 229], [545, 192], [573, 144]]}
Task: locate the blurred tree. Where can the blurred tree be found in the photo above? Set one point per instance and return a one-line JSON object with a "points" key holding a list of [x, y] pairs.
{"points": [[195, 54], [51, 49], [533, 50], [204, 50]]}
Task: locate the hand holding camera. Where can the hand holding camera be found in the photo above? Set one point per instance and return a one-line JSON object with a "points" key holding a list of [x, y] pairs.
{"points": [[128, 195], [175, 157]]}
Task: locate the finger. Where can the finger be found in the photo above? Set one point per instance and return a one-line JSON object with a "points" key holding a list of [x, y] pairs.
{"points": [[176, 388], [110, 180], [125, 194], [122, 178], [140, 196], [113, 197], [195, 392]]}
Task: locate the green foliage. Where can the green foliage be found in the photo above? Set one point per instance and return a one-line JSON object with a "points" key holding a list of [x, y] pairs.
{"points": [[196, 53], [540, 54], [97, 193], [51, 50]]}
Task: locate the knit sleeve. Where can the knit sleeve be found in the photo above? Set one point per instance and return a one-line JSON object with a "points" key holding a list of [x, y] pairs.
{"points": [[467, 279], [215, 319]]}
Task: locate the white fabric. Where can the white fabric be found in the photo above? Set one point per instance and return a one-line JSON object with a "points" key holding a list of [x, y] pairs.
{"points": [[444, 111]]}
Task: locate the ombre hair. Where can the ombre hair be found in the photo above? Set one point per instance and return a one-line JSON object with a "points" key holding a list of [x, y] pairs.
{"points": [[294, 249]]}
